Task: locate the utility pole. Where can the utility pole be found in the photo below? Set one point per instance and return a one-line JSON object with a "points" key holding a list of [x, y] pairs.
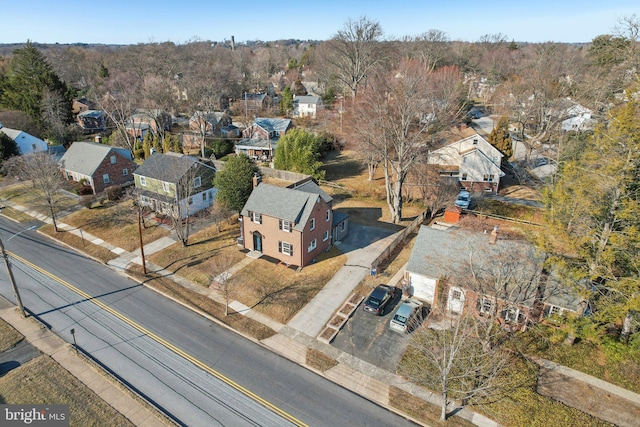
{"points": [[144, 264], [12, 279]]}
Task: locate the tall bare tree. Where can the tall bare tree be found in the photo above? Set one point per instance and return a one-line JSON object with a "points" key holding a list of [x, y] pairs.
{"points": [[43, 171], [355, 51], [399, 115]]}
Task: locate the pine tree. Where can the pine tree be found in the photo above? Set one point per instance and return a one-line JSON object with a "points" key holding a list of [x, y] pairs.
{"points": [[500, 137], [235, 182], [594, 215], [29, 78]]}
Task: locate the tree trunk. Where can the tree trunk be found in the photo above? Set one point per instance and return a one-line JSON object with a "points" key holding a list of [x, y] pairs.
{"points": [[626, 327], [443, 412]]}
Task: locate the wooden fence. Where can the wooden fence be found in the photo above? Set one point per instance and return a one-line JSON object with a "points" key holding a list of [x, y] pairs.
{"points": [[415, 224]]}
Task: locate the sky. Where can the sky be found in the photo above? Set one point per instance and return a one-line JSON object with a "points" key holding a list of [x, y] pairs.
{"points": [[181, 21]]}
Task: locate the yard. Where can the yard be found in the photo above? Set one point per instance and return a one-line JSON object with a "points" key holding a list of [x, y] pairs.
{"points": [[44, 381]]}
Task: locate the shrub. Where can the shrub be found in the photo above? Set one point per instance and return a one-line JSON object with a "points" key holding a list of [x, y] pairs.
{"points": [[114, 192], [85, 190], [87, 201]]}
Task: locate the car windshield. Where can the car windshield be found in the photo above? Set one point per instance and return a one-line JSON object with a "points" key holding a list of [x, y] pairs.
{"points": [[463, 198], [400, 319], [374, 302]]}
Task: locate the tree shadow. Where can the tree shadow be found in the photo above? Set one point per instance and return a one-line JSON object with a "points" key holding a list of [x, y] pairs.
{"points": [[338, 166]]}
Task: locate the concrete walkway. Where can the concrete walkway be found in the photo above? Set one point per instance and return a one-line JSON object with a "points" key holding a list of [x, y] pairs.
{"points": [[294, 339], [51, 344]]}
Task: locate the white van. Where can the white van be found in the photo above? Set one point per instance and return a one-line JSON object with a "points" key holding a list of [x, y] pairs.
{"points": [[407, 316]]}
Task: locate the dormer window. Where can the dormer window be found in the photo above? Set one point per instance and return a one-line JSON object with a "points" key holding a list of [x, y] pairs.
{"points": [[475, 142]]}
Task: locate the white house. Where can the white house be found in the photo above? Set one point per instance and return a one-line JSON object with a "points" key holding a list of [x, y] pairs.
{"points": [[306, 106], [473, 160], [26, 143], [579, 119]]}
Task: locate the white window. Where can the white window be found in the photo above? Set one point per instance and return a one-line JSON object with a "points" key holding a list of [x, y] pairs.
{"points": [[486, 305], [256, 217], [464, 177], [554, 311], [166, 187], [143, 181], [328, 214], [285, 225], [125, 172], [105, 178], [456, 295], [285, 248], [204, 196], [325, 236], [313, 224], [312, 245], [511, 314], [197, 182], [113, 160]]}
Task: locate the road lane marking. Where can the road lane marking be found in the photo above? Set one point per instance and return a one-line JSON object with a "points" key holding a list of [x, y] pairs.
{"points": [[167, 344]]}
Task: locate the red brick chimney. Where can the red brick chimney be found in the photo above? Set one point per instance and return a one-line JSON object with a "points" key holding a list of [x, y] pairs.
{"points": [[256, 180]]}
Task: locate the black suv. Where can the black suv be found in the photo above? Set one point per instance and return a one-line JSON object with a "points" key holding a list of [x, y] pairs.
{"points": [[379, 298]]}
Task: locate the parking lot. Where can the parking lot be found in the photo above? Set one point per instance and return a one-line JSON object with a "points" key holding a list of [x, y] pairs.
{"points": [[369, 338]]}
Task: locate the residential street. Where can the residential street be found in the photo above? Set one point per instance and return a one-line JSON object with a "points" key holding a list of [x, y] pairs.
{"points": [[147, 350]]}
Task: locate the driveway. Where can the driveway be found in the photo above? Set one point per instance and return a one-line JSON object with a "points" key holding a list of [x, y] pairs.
{"points": [[361, 236], [18, 355], [368, 337]]}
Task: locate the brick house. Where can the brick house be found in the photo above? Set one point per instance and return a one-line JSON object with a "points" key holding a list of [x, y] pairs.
{"points": [[438, 273], [93, 120], [292, 224], [99, 165]]}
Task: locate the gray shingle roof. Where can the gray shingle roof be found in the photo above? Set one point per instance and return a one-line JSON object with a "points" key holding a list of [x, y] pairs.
{"points": [[310, 186], [85, 157], [272, 124], [168, 167], [282, 203]]}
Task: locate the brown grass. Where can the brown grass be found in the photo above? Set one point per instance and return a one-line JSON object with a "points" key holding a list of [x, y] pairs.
{"points": [[23, 193], [280, 292], [95, 251], [9, 337], [116, 223], [44, 381], [421, 410], [203, 303], [320, 361], [208, 254]]}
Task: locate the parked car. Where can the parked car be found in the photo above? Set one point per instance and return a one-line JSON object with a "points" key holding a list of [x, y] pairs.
{"points": [[379, 298], [463, 200], [407, 317]]}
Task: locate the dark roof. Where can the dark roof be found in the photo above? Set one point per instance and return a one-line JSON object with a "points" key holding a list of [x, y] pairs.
{"points": [[310, 186], [282, 203], [338, 217], [169, 167]]}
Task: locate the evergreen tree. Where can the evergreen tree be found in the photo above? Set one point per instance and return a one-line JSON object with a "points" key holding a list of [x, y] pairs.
{"points": [[235, 182], [500, 137], [8, 147], [594, 217], [299, 151], [30, 81], [286, 104]]}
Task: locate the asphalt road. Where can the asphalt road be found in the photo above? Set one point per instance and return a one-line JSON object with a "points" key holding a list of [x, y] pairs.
{"points": [[170, 354]]}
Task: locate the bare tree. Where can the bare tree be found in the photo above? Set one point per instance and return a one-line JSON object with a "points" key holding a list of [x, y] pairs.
{"points": [[355, 50], [436, 191], [43, 171], [398, 116], [452, 361], [222, 262]]}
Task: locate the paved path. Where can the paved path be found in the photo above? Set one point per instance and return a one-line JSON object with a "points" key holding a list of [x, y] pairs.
{"points": [[49, 343], [292, 340]]}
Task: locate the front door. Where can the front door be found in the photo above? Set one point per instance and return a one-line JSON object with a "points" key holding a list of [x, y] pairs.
{"points": [[257, 242]]}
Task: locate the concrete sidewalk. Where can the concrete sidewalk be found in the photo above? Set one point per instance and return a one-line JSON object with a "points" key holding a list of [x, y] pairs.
{"points": [[294, 339], [51, 344]]}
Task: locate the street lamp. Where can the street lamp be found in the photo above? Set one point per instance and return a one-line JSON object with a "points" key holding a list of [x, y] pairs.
{"points": [[5, 257]]}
